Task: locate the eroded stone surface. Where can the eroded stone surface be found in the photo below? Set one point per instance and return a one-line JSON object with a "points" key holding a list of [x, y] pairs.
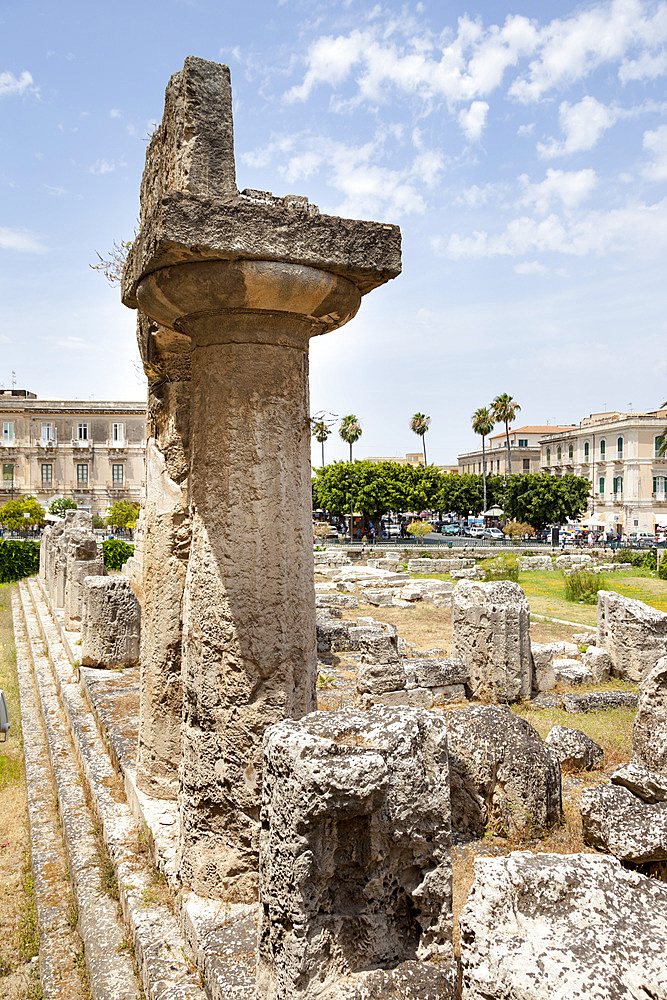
{"points": [[576, 927], [574, 749], [502, 774], [645, 784], [355, 853], [111, 622], [621, 823], [632, 633], [544, 677], [649, 734], [491, 634]]}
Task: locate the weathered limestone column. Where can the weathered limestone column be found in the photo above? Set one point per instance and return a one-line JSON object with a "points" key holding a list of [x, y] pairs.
{"points": [[166, 545], [249, 278]]}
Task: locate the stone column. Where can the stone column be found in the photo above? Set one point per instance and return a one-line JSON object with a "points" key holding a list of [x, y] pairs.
{"points": [[166, 546], [248, 617]]}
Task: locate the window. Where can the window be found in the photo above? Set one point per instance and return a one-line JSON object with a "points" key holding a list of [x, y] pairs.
{"points": [[570, 452], [618, 484], [8, 432], [117, 433], [656, 445], [523, 442], [8, 473], [601, 486], [659, 486], [548, 456], [586, 451], [47, 432], [603, 449], [619, 447], [81, 476], [560, 454], [82, 432], [526, 465], [117, 475], [47, 475]]}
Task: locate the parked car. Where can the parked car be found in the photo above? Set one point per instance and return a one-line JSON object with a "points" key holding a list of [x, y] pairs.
{"points": [[451, 529], [477, 531], [393, 530], [493, 534]]}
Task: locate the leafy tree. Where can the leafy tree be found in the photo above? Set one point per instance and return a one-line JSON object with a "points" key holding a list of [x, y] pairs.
{"points": [[123, 514], [12, 513], [419, 424], [373, 489], [482, 423], [418, 529], [504, 409], [320, 430], [540, 499], [662, 440], [60, 505], [350, 430]]}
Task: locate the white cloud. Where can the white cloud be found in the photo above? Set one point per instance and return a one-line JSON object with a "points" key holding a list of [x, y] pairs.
{"points": [[568, 187], [115, 113], [526, 129], [634, 227], [647, 67], [571, 49], [10, 84], [473, 119], [21, 240], [530, 267], [656, 144], [102, 167], [582, 123]]}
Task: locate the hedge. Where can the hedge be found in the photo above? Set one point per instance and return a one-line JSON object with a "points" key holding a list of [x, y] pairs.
{"points": [[116, 553], [18, 559]]}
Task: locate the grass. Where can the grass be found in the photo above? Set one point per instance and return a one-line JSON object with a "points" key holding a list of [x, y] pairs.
{"points": [[611, 728]]}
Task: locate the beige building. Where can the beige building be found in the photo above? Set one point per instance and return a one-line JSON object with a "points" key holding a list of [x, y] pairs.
{"points": [[91, 452], [618, 454], [524, 445], [411, 458]]}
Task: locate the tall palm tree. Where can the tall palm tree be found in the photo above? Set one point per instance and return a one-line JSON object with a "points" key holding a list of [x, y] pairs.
{"points": [[503, 410], [662, 440], [419, 424], [482, 423], [321, 431], [350, 430]]}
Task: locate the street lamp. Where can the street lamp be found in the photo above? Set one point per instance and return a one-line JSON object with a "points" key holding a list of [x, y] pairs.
{"points": [[26, 517]]}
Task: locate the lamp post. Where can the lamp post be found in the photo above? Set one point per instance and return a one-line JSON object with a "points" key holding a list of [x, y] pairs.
{"points": [[26, 517]]}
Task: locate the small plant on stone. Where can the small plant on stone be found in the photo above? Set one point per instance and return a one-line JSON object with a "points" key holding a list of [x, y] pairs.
{"points": [[326, 680]]}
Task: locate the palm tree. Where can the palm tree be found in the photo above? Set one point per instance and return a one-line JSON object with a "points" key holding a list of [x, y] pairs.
{"points": [[503, 410], [482, 423], [321, 431], [350, 430], [662, 440], [419, 424]]}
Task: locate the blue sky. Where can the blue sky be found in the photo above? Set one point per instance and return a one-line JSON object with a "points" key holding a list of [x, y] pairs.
{"points": [[523, 155]]}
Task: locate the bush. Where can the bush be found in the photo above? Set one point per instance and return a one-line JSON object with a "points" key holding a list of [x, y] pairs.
{"points": [[663, 569], [18, 560], [502, 567], [582, 586], [116, 553], [642, 560]]}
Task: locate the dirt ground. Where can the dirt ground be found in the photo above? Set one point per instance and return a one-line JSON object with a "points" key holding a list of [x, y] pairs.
{"points": [[19, 973]]}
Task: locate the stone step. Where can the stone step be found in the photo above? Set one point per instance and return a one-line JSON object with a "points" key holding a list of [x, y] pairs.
{"points": [[160, 949], [221, 937], [51, 769]]}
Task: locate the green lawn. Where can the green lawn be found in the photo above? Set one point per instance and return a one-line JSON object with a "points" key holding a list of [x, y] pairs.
{"points": [[546, 594]]}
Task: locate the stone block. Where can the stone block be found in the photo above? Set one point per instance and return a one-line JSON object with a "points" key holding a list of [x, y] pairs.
{"points": [[646, 785], [336, 601], [330, 631], [541, 927], [574, 560], [425, 565], [632, 633], [539, 563], [649, 734], [544, 677], [598, 661], [619, 822], [502, 774], [434, 672], [398, 602], [572, 672], [355, 866], [378, 678], [379, 598], [491, 634], [111, 622], [413, 698], [449, 693], [574, 749]]}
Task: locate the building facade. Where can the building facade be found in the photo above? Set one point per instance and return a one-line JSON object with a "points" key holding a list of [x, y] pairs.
{"points": [[524, 445], [618, 453], [90, 452]]}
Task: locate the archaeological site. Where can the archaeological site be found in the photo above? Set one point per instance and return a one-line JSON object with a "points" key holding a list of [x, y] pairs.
{"points": [[265, 787]]}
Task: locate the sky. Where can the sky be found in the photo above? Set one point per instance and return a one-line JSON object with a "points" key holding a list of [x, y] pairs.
{"points": [[520, 147]]}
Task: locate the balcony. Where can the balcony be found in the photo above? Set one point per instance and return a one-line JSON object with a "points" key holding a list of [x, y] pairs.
{"points": [[659, 497], [45, 443], [116, 487], [81, 445]]}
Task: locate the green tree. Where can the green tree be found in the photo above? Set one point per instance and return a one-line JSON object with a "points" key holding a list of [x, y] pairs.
{"points": [[540, 499], [662, 440], [372, 489], [60, 505], [419, 424], [482, 424], [123, 514], [418, 529], [12, 513], [504, 409], [350, 430], [321, 431]]}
